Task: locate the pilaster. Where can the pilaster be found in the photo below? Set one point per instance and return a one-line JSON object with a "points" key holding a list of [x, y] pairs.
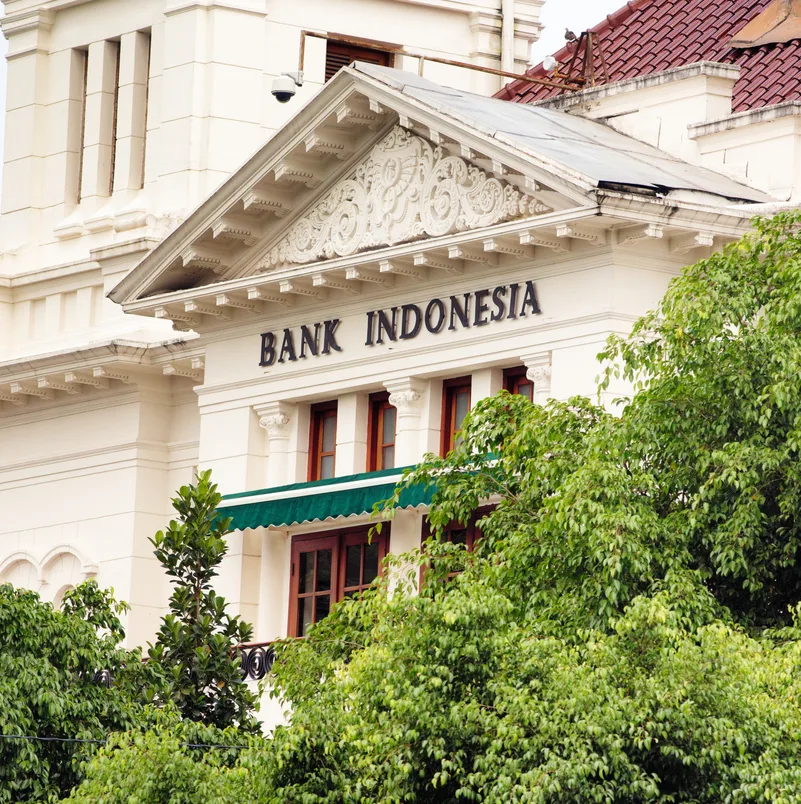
{"points": [[132, 110], [98, 130], [406, 395], [352, 413], [538, 370], [276, 418], [485, 382]]}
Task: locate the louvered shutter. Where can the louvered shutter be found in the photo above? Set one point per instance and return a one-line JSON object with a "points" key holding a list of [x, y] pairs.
{"points": [[340, 54]]}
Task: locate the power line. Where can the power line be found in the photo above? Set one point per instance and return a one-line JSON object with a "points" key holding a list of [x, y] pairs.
{"points": [[103, 742]]}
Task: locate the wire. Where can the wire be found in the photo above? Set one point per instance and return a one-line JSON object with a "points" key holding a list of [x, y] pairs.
{"points": [[102, 742]]}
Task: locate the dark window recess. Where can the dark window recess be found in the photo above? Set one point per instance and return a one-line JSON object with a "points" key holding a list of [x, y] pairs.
{"points": [[323, 441], [381, 433], [458, 533], [455, 406], [341, 54], [515, 381], [327, 568]]}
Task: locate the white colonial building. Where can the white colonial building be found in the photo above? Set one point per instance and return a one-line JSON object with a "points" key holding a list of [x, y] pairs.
{"points": [[390, 250]]}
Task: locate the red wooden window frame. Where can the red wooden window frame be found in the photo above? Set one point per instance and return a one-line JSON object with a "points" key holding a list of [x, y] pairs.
{"points": [[379, 406], [319, 413], [515, 381], [468, 534], [341, 54], [451, 389], [340, 544]]}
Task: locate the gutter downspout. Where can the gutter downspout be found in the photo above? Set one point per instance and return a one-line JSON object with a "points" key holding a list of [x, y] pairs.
{"points": [[508, 35]]}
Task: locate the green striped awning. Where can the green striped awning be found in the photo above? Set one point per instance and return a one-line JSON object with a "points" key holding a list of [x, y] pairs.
{"points": [[319, 500]]}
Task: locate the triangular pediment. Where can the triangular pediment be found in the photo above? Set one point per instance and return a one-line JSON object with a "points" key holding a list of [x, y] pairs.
{"points": [[358, 169], [406, 189], [381, 159]]}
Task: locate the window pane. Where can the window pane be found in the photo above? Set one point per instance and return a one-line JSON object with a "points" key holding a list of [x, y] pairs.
{"points": [[388, 458], [462, 405], [306, 580], [388, 430], [525, 389], [329, 433], [353, 565], [323, 571], [326, 467], [322, 605], [458, 536], [304, 614], [370, 562]]}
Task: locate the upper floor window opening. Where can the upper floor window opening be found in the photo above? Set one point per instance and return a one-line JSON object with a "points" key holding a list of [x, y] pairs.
{"points": [[381, 433], [323, 441], [329, 567], [340, 54], [515, 381], [455, 406]]}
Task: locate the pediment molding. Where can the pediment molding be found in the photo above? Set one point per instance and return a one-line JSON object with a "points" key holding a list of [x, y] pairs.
{"points": [[406, 189]]}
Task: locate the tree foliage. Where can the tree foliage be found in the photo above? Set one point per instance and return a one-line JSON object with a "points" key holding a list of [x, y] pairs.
{"points": [[192, 664], [48, 662], [627, 628], [181, 763]]}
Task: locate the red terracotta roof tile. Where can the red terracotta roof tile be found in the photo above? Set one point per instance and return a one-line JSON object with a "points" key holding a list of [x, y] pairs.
{"points": [[648, 36]]}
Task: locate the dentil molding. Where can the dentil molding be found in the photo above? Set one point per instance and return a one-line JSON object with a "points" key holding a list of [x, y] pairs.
{"points": [[406, 189]]}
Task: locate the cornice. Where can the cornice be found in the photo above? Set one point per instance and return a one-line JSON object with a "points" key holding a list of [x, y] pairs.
{"points": [[708, 69], [243, 6], [300, 131]]}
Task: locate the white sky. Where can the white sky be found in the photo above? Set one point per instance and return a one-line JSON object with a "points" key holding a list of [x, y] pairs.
{"points": [[557, 15]]}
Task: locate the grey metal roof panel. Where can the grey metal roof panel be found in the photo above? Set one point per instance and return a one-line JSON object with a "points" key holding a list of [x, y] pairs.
{"points": [[589, 147]]}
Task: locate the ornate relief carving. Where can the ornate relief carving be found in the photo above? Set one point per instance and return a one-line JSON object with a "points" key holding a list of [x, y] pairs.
{"points": [[404, 401], [406, 189], [540, 376], [276, 424]]}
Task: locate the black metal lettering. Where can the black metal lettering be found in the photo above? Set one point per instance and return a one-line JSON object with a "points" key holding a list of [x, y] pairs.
{"points": [[329, 337], [460, 312], [288, 347], [387, 326], [482, 308], [267, 349], [530, 300], [435, 304], [410, 311], [370, 317], [513, 302], [498, 301], [307, 339]]}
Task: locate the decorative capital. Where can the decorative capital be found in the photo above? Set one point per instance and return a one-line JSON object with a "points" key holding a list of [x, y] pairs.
{"points": [[539, 375], [405, 394], [404, 400], [275, 418], [538, 370]]}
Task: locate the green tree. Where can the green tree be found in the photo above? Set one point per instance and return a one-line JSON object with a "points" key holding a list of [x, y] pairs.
{"points": [[627, 629], [192, 663], [184, 763], [48, 687]]}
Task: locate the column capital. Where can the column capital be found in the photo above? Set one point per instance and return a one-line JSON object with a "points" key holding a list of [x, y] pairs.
{"points": [[538, 370], [405, 394], [274, 417]]}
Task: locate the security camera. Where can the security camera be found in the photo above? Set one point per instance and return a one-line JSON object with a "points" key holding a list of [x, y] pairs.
{"points": [[284, 87]]}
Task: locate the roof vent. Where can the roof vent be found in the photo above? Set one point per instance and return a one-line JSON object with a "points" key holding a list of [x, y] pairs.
{"points": [[779, 22]]}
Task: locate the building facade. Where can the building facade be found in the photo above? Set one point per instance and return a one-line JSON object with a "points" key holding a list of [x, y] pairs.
{"points": [[310, 322], [121, 118]]}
